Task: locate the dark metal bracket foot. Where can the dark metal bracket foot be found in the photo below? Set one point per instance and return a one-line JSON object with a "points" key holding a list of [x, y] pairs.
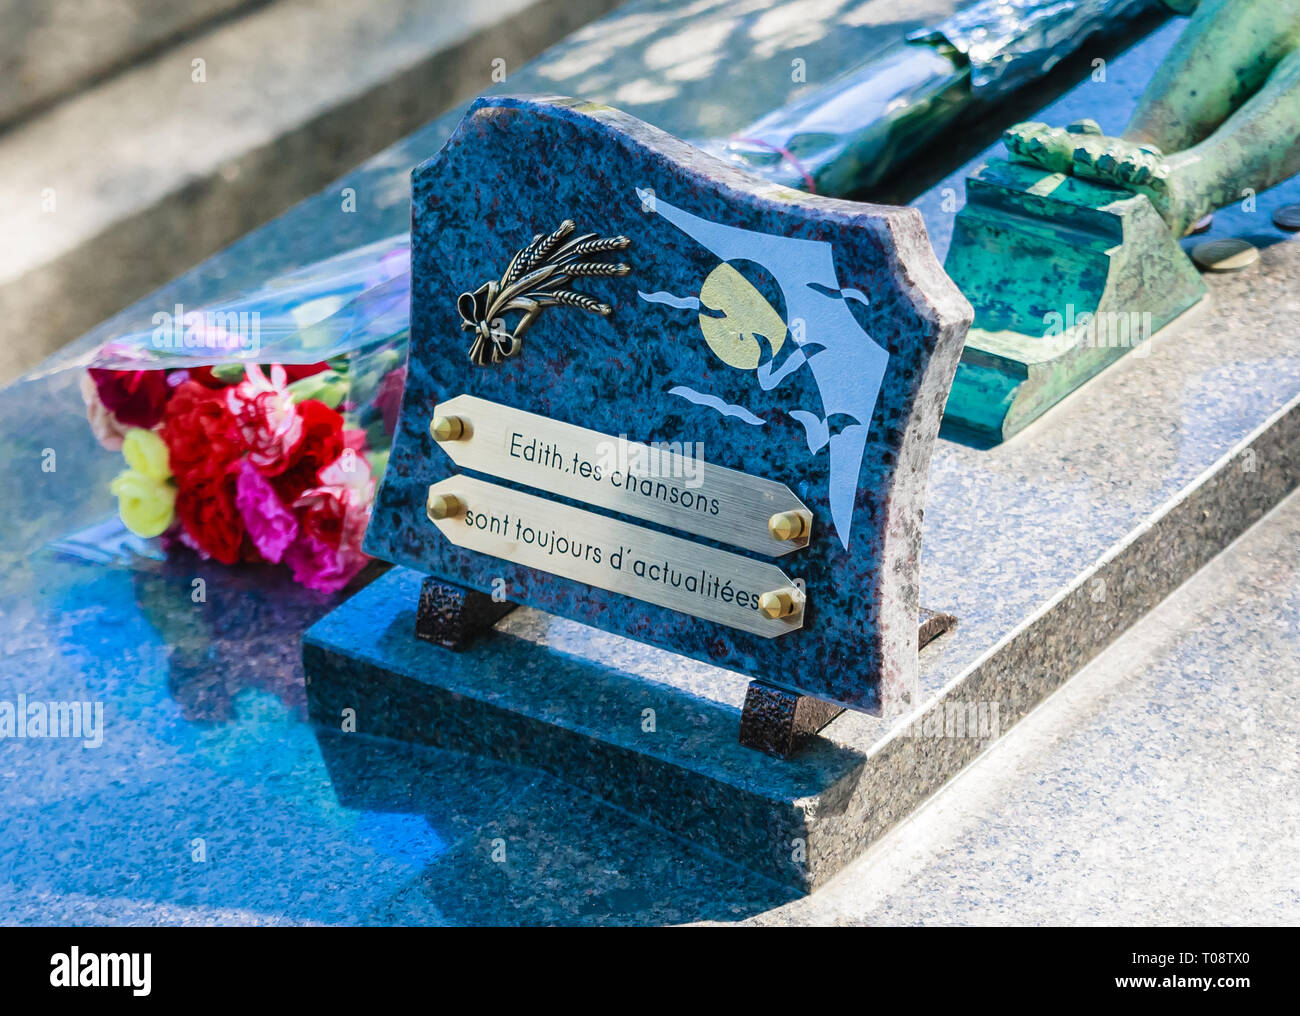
{"points": [[451, 616], [780, 723]]}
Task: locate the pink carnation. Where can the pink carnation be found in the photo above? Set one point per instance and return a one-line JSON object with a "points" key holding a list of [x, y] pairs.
{"points": [[319, 566], [267, 418], [271, 526], [332, 522]]}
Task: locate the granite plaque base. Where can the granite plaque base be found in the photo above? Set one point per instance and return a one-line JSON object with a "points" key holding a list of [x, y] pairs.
{"points": [[665, 750]]}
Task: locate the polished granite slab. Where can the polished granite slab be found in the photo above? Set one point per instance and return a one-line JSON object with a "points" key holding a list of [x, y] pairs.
{"points": [[205, 708], [1157, 788]]}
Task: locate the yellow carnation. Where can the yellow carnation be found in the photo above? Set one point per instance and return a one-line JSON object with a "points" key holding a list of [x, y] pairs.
{"points": [[146, 453], [145, 499]]}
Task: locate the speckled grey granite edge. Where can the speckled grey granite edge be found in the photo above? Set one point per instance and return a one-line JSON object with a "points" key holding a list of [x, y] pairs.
{"points": [[921, 753], [798, 822]]}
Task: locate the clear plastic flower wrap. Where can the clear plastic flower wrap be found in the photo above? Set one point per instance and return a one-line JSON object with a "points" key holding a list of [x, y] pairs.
{"points": [[318, 312], [256, 428]]}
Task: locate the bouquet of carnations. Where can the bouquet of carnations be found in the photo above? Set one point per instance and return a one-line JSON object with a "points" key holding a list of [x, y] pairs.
{"points": [[243, 458]]}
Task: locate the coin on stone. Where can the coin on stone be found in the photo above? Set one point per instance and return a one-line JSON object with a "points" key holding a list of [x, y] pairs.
{"points": [[1225, 255], [1288, 217]]}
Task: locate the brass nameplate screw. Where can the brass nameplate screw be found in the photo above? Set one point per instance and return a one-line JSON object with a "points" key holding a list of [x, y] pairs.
{"points": [[445, 506], [779, 603], [447, 428], [787, 526]]}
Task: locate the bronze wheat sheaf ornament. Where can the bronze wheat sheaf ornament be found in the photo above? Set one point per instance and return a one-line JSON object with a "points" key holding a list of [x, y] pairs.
{"points": [[538, 276]]}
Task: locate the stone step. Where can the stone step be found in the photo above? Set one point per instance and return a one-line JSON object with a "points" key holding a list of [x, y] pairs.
{"points": [[107, 195], [50, 51], [1160, 782]]}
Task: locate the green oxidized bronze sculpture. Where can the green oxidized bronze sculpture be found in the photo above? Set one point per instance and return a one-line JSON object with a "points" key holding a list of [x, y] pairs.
{"points": [[1220, 117]]}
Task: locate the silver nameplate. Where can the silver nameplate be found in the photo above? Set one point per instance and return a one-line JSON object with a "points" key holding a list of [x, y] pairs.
{"points": [[665, 484], [603, 552]]}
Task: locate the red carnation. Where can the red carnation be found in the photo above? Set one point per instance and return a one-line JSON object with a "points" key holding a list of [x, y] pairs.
{"points": [[203, 376], [202, 447], [321, 514], [136, 398], [322, 443], [269, 422], [200, 432], [206, 507]]}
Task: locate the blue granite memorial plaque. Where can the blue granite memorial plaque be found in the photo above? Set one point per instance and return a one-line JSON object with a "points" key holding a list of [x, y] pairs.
{"points": [[589, 289]]}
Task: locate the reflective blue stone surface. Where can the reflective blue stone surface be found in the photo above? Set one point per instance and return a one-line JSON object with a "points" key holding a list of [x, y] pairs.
{"points": [[205, 736]]}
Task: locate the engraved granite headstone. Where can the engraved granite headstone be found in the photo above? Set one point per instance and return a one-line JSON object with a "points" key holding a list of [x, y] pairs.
{"points": [[652, 394]]}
